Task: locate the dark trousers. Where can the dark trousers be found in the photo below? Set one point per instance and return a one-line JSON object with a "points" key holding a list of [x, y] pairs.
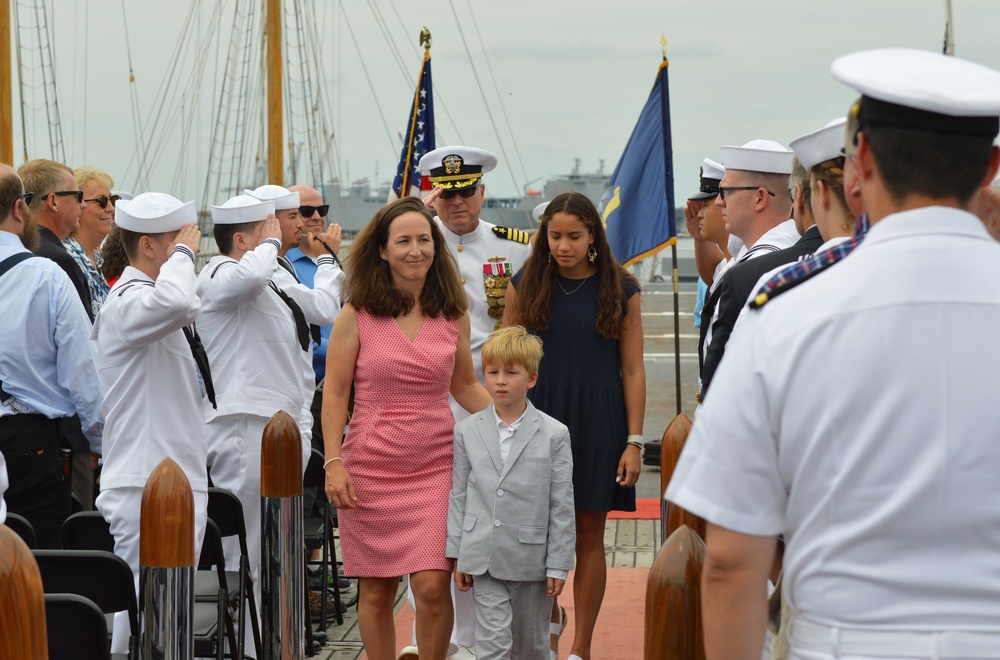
{"points": [[30, 445]]}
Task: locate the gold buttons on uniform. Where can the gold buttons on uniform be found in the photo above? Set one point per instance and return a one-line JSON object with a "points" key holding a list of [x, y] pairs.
{"points": [[460, 248], [462, 281]]}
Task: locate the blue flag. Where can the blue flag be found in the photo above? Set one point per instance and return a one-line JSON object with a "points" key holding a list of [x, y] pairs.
{"points": [[638, 206], [419, 137]]}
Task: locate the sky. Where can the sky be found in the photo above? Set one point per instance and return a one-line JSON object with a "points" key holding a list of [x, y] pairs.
{"points": [[556, 80]]}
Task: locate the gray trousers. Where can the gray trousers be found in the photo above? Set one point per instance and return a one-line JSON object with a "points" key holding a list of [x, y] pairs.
{"points": [[512, 619]]}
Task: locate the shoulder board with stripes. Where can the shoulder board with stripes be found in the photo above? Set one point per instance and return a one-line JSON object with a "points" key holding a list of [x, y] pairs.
{"points": [[762, 299], [511, 234]]}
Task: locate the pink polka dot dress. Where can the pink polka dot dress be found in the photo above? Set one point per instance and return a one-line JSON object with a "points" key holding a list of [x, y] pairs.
{"points": [[399, 449]]}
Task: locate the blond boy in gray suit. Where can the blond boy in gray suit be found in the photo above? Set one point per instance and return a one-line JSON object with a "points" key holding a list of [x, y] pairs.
{"points": [[511, 522]]}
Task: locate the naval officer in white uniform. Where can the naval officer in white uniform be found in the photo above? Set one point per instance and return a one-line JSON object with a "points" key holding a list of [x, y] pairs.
{"points": [[856, 413], [255, 342], [153, 372], [320, 304]]}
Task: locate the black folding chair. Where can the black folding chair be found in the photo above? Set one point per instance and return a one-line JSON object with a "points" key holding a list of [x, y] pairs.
{"points": [[213, 593], [76, 628], [87, 530], [20, 526], [100, 576], [226, 510], [318, 533]]}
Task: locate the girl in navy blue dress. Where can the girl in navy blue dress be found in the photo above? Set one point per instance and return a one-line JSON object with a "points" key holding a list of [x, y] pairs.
{"points": [[575, 296]]}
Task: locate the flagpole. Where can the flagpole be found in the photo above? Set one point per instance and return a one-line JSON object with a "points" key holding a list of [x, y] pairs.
{"points": [[675, 277]]}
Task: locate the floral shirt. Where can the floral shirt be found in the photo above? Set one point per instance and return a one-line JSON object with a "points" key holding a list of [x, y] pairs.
{"points": [[95, 278]]}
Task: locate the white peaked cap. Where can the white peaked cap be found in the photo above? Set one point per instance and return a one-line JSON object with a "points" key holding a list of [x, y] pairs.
{"points": [[154, 213], [712, 170], [822, 145], [539, 210], [708, 182], [758, 156], [923, 80], [241, 209], [282, 197]]}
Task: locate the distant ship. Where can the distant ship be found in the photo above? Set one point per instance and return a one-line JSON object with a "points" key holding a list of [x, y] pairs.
{"points": [[353, 208]]}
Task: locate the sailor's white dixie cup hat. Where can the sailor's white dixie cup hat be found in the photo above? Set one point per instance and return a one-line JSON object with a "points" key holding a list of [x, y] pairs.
{"points": [[537, 212], [456, 167], [242, 209], [919, 90], [283, 198], [709, 179], [758, 156], [820, 145], [154, 213]]}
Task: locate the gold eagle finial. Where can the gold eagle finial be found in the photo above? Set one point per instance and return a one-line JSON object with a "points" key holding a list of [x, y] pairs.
{"points": [[425, 38]]}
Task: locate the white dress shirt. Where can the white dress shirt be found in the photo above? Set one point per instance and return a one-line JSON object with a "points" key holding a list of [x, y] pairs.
{"points": [[856, 414], [46, 362]]}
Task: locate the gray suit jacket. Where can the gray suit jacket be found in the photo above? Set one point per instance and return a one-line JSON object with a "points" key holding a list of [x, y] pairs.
{"points": [[513, 519]]}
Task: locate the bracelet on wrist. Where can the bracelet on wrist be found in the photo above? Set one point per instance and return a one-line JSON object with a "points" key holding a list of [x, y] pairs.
{"points": [[335, 458]]}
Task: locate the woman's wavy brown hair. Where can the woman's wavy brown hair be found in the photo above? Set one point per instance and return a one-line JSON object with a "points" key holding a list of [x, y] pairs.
{"points": [[538, 281], [368, 284]]}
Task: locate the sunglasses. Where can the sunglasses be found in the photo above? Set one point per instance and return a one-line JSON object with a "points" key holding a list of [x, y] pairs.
{"points": [[27, 197], [464, 193], [76, 193], [104, 200], [307, 211], [724, 189]]}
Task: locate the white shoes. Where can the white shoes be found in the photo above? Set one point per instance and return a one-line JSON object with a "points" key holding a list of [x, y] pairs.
{"points": [[409, 653], [463, 653]]}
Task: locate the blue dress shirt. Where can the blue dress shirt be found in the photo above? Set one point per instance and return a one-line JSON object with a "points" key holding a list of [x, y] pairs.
{"points": [[305, 268]]}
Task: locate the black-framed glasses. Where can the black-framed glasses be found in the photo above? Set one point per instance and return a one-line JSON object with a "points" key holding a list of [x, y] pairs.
{"points": [[27, 197], [307, 211], [461, 192], [724, 189], [104, 200], [66, 193]]}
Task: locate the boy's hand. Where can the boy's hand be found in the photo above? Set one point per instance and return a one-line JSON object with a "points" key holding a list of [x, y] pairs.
{"points": [[555, 586], [464, 581], [189, 236]]}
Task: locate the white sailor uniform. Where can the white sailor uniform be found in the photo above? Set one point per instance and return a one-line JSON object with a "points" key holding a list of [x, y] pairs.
{"points": [[251, 339], [152, 401], [885, 491], [320, 305]]}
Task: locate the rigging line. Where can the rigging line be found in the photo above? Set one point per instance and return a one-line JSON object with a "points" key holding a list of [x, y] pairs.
{"points": [[496, 88], [350, 30], [20, 81], [393, 48], [438, 96], [309, 111], [482, 93], [133, 88], [321, 110]]}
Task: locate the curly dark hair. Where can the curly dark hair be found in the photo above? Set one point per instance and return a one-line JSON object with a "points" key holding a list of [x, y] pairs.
{"points": [[538, 279], [369, 286]]}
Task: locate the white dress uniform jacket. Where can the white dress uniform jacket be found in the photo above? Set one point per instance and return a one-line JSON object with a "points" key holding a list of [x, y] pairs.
{"points": [[152, 398], [481, 248], [857, 416]]}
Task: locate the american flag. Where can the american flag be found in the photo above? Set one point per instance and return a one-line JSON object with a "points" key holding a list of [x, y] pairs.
{"points": [[419, 138]]}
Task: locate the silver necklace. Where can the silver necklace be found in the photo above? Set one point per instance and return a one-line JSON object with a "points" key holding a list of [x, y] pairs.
{"points": [[578, 286]]}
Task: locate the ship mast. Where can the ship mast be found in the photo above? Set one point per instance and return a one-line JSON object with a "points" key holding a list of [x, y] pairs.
{"points": [[275, 139], [6, 90]]}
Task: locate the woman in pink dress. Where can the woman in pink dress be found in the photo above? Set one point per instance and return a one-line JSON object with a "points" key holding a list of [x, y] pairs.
{"points": [[402, 339]]}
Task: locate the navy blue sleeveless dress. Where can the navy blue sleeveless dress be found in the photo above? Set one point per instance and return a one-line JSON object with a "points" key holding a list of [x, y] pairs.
{"points": [[580, 384]]}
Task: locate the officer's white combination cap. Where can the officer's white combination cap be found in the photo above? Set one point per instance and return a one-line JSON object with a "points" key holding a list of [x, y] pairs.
{"points": [[154, 213], [758, 156], [537, 212], [456, 166], [708, 182], [920, 90], [283, 198], [822, 145], [242, 209]]}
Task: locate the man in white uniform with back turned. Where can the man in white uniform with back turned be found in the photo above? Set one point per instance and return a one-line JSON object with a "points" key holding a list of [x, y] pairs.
{"points": [[856, 412], [487, 257]]}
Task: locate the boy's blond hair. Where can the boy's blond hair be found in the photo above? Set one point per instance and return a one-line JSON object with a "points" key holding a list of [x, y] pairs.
{"points": [[512, 346]]}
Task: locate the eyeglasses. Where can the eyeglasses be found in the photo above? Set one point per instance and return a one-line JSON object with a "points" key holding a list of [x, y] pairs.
{"points": [[27, 197], [307, 211], [724, 189], [76, 193], [463, 192], [103, 200]]}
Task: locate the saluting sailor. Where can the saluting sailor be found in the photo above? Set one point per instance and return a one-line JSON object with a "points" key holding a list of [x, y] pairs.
{"points": [[319, 305], [255, 337], [153, 372]]}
